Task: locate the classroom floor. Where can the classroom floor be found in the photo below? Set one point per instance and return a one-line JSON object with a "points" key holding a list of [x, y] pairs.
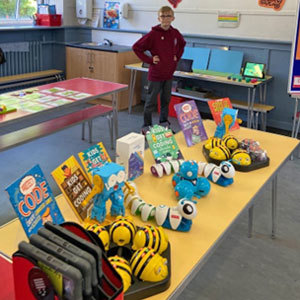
{"points": [[241, 268]]}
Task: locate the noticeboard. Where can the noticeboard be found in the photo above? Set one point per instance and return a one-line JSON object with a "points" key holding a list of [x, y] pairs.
{"points": [[294, 74]]}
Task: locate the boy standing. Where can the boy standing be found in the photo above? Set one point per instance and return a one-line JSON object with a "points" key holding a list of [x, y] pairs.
{"points": [[166, 46]]}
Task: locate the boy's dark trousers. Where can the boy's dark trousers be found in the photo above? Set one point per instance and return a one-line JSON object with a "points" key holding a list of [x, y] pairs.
{"points": [[154, 88]]}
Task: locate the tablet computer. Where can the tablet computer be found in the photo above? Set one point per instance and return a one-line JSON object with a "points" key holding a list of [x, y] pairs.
{"points": [[72, 259], [72, 248], [72, 281], [79, 242], [254, 70]]}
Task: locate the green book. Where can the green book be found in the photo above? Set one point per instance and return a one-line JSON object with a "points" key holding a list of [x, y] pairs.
{"points": [[162, 144]]}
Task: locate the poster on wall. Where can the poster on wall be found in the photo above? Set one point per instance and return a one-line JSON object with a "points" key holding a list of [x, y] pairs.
{"points": [[275, 4], [111, 15], [228, 19], [294, 74]]}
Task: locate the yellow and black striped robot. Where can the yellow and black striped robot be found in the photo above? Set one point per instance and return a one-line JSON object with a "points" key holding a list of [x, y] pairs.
{"points": [[122, 266], [147, 265], [102, 233], [122, 231], [151, 236]]}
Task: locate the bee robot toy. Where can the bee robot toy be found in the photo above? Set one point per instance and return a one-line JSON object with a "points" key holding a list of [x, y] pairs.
{"points": [[151, 236], [108, 181], [221, 175], [147, 265], [187, 184], [176, 218]]}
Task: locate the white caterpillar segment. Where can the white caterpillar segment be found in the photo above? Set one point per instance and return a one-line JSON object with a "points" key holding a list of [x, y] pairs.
{"points": [[174, 218], [137, 205], [161, 214], [147, 211]]}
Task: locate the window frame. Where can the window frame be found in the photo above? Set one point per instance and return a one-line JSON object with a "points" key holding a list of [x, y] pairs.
{"points": [[17, 20]]}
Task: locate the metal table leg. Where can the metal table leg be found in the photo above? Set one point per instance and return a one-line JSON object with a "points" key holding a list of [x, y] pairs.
{"points": [[251, 100], [131, 89], [82, 130], [249, 105], [262, 100], [250, 221], [111, 129], [115, 116], [90, 124], [274, 206], [295, 117]]}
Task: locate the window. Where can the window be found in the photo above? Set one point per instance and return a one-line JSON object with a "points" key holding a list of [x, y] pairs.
{"points": [[17, 11]]}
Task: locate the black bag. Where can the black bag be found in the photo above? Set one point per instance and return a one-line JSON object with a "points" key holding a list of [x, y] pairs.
{"points": [[2, 57]]}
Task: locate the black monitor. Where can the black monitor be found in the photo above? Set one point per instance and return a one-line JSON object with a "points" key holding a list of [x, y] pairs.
{"points": [[184, 65]]}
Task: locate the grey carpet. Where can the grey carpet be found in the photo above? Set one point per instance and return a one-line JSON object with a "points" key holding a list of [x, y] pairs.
{"points": [[241, 268]]}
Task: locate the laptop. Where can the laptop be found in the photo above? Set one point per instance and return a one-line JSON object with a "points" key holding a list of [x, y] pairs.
{"points": [[184, 65]]}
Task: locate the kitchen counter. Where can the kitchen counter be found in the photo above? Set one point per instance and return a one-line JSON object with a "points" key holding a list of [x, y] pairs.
{"points": [[96, 46]]}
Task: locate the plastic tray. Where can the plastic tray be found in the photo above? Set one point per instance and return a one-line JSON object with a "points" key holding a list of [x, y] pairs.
{"points": [[254, 165]]}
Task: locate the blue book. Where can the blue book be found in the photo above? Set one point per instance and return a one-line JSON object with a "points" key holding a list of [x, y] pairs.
{"points": [[33, 201]]}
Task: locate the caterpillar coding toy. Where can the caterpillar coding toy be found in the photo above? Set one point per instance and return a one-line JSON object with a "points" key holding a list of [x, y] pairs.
{"points": [[176, 218], [221, 175]]}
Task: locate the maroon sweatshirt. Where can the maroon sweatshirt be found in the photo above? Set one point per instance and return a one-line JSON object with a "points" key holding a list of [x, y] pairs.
{"points": [[165, 44]]}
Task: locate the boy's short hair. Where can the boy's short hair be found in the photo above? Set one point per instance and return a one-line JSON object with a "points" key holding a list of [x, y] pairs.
{"points": [[165, 9]]}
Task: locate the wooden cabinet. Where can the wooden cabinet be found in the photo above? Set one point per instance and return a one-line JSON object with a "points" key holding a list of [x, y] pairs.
{"points": [[103, 65]]}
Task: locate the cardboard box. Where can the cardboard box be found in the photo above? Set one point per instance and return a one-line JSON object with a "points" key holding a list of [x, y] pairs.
{"points": [[130, 154]]}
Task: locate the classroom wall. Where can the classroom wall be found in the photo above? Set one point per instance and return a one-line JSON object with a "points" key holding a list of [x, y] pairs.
{"points": [[200, 17]]}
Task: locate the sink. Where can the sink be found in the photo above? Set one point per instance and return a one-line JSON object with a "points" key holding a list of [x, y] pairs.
{"points": [[102, 46], [90, 44]]}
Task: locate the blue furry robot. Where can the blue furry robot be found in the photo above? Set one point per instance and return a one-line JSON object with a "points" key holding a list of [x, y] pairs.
{"points": [[108, 181]]}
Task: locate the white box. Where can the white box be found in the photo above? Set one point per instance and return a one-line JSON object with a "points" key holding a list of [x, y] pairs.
{"points": [[130, 154]]}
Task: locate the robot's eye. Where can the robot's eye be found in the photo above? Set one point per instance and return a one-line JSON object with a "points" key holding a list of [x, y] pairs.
{"points": [[121, 176], [158, 270], [189, 173], [112, 180], [227, 170], [187, 208]]}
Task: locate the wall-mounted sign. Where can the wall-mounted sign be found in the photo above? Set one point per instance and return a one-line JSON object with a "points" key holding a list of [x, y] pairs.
{"points": [[228, 19], [174, 3], [275, 4]]}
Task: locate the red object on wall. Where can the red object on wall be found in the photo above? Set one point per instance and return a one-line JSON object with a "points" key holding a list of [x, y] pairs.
{"points": [[174, 100], [174, 2], [48, 20]]}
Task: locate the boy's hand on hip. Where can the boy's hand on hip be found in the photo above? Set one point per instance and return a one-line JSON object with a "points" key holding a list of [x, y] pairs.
{"points": [[156, 59], [175, 58]]}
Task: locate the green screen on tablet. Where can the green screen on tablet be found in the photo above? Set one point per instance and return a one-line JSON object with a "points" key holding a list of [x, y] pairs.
{"points": [[255, 70]]}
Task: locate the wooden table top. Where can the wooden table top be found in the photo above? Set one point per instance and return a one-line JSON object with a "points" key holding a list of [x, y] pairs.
{"points": [[216, 212]]}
